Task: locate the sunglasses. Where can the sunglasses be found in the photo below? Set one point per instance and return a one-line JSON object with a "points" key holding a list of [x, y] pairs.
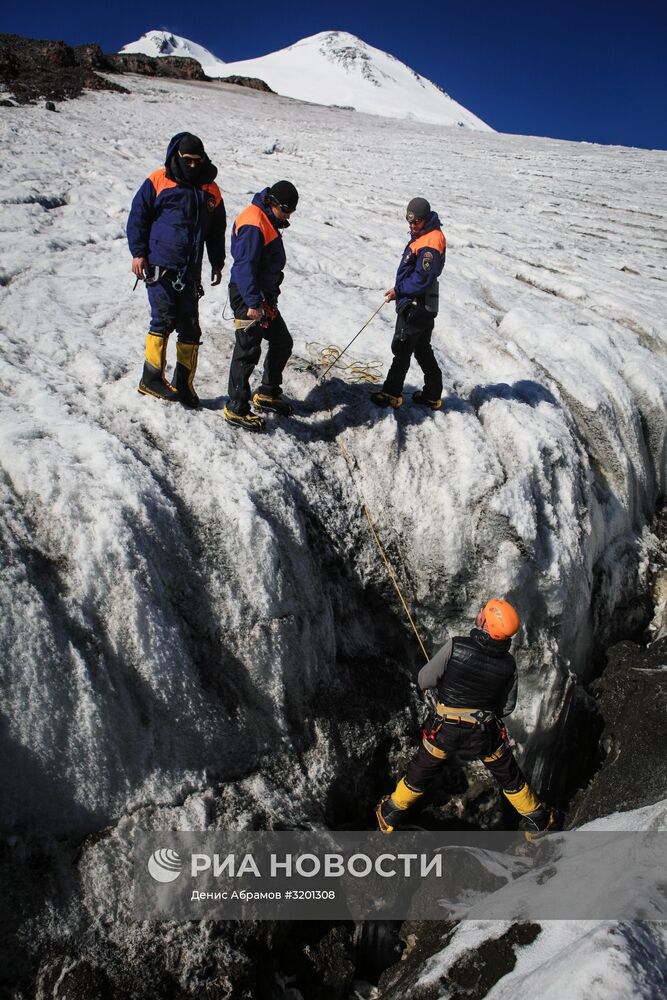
{"points": [[191, 158], [283, 208]]}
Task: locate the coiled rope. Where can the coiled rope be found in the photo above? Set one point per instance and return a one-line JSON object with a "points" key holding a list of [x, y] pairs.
{"points": [[351, 370]]}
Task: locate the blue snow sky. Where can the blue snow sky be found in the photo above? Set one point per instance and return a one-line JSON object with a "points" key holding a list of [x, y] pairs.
{"points": [[592, 69]]}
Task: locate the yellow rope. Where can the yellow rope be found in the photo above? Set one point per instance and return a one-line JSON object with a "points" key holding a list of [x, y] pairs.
{"points": [[392, 576], [352, 370], [355, 370]]}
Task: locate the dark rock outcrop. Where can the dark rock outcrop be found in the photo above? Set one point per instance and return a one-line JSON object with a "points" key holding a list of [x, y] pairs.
{"points": [[469, 977], [632, 699], [30, 69], [174, 67], [252, 82]]}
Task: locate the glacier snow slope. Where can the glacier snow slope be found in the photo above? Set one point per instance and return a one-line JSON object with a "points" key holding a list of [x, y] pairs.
{"points": [[183, 601]]}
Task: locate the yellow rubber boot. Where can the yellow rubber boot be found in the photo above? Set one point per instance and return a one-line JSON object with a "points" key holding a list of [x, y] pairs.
{"points": [[153, 381], [187, 356], [389, 809]]}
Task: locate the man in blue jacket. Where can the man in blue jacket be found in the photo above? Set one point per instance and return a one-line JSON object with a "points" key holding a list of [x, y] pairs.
{"points": [[254, 287], [415, 292], [176, 210]]}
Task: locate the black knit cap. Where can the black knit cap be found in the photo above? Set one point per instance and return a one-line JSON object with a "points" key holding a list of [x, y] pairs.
{"points": [[418, 210], [192, 145], [285, 195]]}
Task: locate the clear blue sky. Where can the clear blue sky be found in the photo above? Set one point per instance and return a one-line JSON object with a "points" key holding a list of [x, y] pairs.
{"points": [[591, 69]]}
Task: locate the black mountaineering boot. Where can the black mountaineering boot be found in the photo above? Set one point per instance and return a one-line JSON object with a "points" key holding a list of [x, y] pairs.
{"points": [[539, 822], [385, 399], [184, 373], [272, 404], [248, 421], [420, 399], [153, 382]]}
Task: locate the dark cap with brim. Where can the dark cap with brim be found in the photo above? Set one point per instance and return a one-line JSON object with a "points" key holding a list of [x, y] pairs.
{"points": [[418, 210]]}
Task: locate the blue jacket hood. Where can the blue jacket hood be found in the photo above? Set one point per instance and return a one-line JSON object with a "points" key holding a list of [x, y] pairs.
{"points": [[173, 146]]}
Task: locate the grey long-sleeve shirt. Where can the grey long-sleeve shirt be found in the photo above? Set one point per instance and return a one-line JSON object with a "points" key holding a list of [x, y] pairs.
{"points": [[434, 670]]}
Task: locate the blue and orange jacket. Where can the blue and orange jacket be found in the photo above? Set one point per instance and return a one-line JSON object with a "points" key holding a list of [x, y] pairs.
{"points": [[422, 262], [258, 252], [169, 222]]}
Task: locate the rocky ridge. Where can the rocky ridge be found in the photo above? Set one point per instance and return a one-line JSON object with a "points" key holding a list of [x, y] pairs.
{"points": [[31, 69]]}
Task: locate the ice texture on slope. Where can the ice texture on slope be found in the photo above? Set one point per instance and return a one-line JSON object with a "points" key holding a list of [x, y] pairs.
{"points": [[186, 605], [591, 959], [609, 960]]}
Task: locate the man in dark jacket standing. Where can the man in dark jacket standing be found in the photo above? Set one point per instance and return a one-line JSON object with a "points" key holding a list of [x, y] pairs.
{"points": [[475, 682], [415, 292], [254, 287], [176, 210]]}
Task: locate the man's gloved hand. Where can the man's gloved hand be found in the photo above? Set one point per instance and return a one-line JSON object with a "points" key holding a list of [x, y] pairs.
{"points": [[216, 273], [271, 312]]}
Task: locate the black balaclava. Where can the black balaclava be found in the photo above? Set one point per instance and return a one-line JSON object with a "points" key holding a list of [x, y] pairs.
{"points": [[201, 173]]}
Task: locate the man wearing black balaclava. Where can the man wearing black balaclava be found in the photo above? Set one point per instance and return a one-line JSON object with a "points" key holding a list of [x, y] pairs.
{"points": [[176, 210]]}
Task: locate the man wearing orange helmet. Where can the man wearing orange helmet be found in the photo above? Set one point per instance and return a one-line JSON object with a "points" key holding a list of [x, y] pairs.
{"points": [[475, 682]]}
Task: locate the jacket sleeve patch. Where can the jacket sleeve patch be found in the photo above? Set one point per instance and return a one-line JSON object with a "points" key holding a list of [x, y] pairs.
{"points": [[427, 261]]}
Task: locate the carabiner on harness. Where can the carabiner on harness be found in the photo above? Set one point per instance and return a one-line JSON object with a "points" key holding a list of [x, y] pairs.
{"points": [[178, 284]]}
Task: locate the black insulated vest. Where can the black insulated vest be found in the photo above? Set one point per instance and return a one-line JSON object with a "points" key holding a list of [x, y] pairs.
{"points": [[478, 675]]}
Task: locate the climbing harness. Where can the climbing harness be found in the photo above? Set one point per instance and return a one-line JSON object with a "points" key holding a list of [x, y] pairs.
{"points": [[467, 716], [369, 320]]}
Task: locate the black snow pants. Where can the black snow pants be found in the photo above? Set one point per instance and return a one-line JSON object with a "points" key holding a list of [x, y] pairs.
{"points": [[247, 352], [414, 327], [444, 740]]}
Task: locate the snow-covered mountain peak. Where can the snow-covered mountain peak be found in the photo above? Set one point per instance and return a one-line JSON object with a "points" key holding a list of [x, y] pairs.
{"points": [[333, 68], [165, 43], [337, 68], [350, 53]]}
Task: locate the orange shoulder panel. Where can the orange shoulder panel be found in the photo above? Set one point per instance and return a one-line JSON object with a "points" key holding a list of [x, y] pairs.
{"points": [[213, 189], [160, 181], [435, 240], [254, 216]]}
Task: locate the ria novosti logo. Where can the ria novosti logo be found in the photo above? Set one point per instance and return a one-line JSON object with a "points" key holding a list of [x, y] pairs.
{"points": [[165, 865]]}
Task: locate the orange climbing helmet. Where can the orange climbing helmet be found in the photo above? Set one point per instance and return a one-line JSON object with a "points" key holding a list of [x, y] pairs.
{"points": [[499, 619]]}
